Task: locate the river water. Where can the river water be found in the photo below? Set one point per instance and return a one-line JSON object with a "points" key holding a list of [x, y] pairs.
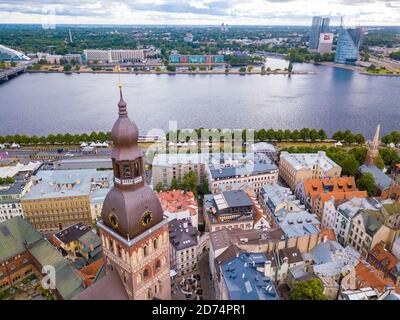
{"points": [[329, 98]]}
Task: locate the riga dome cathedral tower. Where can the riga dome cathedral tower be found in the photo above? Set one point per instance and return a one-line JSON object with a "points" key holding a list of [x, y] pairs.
{"points": [[133, 231]]}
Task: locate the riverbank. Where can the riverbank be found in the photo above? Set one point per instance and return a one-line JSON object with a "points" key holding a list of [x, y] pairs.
{"points": [[360, 70], [209, 72]]}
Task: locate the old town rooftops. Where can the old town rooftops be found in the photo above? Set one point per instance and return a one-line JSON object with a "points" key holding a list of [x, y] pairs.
{"points": [[307, 161], [64, 183], [177, 201]]}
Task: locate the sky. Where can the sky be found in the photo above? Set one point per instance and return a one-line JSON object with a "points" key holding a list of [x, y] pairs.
{"points": [[199, 12]]}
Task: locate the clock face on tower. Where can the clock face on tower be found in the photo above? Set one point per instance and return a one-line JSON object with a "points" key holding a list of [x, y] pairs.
{"points": [[147, 217], [113, 220]]}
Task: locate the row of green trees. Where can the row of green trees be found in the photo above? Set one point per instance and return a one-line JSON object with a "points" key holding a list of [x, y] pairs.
{"points": [[57, 138], [6, 65], [305, 134], [302, 55], [393, 137], [6, 180]]}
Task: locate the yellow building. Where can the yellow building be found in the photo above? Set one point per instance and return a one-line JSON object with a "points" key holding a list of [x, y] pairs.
{"points": [[296, 167], [58, 199]]}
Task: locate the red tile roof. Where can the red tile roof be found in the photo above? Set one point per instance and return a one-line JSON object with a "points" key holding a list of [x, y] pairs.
{"points": [[177, 201]]}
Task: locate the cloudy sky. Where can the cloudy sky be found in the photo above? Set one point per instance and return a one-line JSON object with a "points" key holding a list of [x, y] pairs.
{"points": [[199, 12]]}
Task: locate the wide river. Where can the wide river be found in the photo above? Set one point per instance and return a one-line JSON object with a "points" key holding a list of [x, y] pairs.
{"points": [[329, 98]]}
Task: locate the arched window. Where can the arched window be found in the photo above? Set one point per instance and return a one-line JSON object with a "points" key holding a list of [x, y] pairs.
{"points": [[136, 170], [119, 250], [155, 244], [145, 251], [145, 274], [148, 294], [158, 264]]}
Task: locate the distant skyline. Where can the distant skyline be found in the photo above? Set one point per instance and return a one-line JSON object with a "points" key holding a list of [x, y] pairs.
{"points": [[200, 12]]}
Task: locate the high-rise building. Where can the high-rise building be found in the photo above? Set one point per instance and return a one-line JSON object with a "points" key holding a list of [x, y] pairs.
{"points": [[319, 25], [348, 45], [134, 233], [315, 32], [325, 28], [325, 43]]}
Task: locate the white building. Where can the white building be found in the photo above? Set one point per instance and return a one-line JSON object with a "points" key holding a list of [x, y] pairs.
{"points": [[227, 177], [344, 215], [325, 43], [296, 167], [111, 56], [19, 169], [10, 200], [183, 246]]}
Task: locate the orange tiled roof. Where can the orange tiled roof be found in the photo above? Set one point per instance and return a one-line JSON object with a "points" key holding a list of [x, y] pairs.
{"points": [[177, 201], [88, 273], [368, 276], [330, 233], [342, 188], [380, 253]]}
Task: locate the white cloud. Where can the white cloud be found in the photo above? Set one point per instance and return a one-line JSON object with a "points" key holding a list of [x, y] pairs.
{"points": [[234, 12]]}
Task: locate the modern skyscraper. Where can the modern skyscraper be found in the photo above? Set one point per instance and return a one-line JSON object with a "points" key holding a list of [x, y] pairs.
{"points": [[133, 231], [315, 32], [325, 28], [319, 25], [348, 45]]}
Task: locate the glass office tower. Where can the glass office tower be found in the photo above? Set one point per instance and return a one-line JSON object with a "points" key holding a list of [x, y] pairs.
{"points": [[348, 45]]}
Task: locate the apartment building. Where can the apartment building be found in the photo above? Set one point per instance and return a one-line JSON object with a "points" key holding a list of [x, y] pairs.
{"points": [[183, 246], [295, 167], [313, 193], [60, 198]]}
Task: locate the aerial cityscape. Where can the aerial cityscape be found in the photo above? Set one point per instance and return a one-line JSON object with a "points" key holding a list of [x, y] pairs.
{"points": [[200, 151]]}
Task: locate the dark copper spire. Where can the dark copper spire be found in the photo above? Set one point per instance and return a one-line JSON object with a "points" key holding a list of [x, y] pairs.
{"points": [[122, 104], [131, 207]]}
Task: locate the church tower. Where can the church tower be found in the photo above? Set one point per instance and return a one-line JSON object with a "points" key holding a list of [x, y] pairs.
{"points": [[373, 149], [134, 233]]}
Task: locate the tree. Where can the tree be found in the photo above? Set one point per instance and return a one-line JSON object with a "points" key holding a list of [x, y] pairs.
{"points": [[308, 290], [242, 70], [263, 70], [322, 135], [204, 186], [290, 67], [67, 68], [367, 183], [350, 166], [189, 182], [313, 135], [174, 184], [295, 135], [13, 64], [159, 187]]}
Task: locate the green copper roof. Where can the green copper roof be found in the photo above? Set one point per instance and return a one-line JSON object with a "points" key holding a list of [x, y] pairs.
{"points": [[16, 235], [371, 223], [68, 283]]}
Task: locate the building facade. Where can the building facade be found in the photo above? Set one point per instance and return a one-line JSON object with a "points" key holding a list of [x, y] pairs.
{"points": [[293, 168], [113, 56], [183, 246], [348, 45], [10, 200]]}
